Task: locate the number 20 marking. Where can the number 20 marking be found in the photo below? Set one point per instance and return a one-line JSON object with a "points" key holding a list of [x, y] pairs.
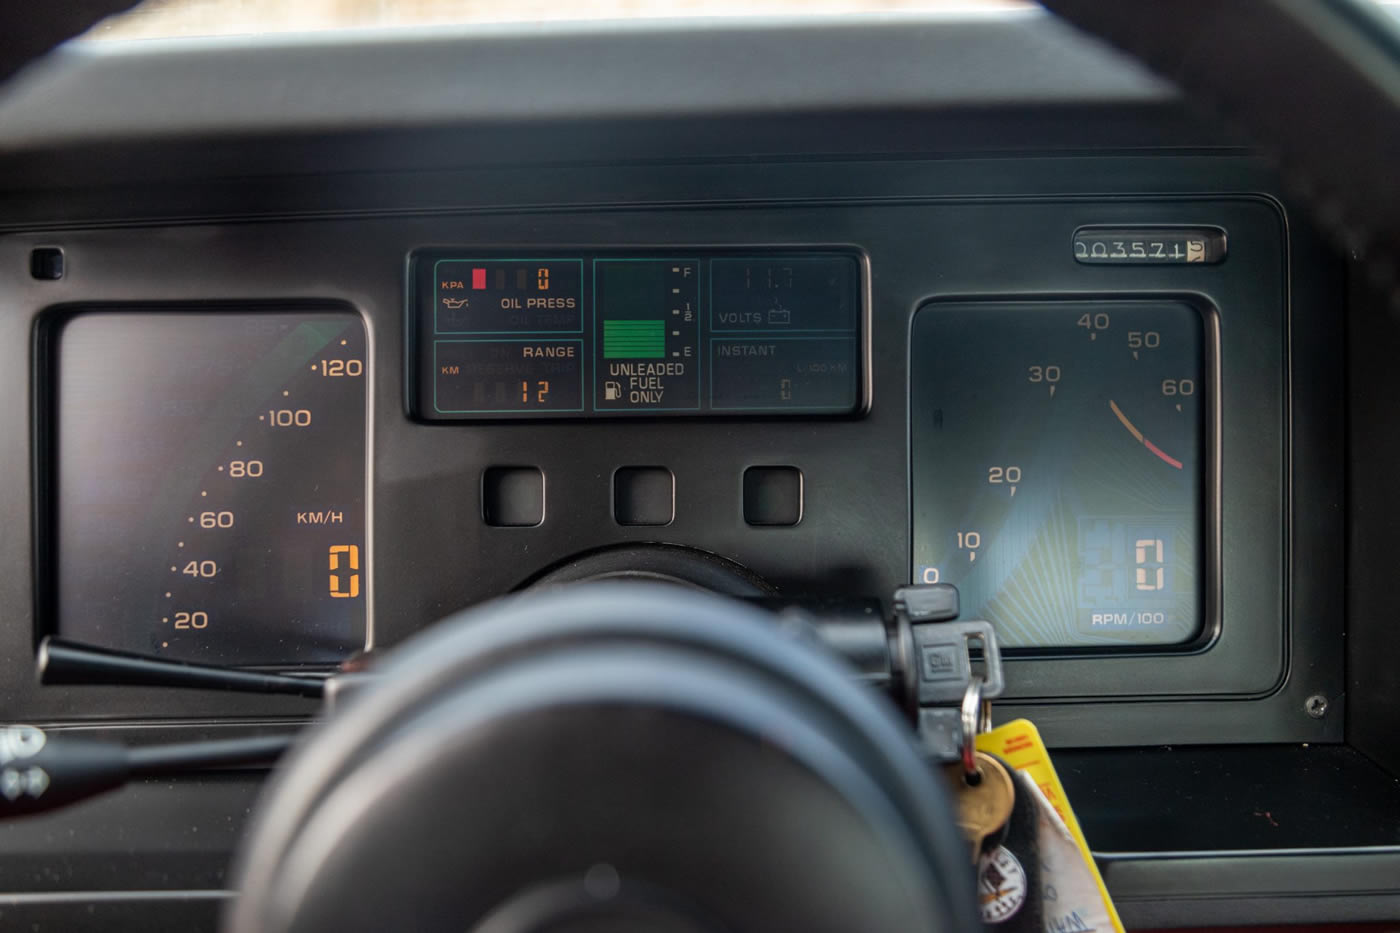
{"points": [[187, 620]]}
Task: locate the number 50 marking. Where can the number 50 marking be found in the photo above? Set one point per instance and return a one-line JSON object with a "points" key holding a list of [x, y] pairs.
{"points": [[352, 564]]}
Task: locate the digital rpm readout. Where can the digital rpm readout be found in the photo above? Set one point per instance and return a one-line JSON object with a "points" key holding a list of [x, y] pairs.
{"points": [[209, 482], [1058, 464]]}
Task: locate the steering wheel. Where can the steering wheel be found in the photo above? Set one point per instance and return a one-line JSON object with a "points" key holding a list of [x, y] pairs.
{"points": [[608, 756]]}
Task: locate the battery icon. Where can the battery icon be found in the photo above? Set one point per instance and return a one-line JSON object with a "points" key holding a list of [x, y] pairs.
{"points": [[478, 278]]}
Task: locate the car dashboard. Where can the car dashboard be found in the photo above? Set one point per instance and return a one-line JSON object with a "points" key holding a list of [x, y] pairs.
{"points": [[409, 323]]}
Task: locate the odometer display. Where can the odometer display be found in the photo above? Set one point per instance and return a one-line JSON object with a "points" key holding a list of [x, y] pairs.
{"points": [[1057, 457], [210, 478]]}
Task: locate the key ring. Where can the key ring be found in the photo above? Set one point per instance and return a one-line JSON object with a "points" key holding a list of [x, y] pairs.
{"points": [[971, 716]]}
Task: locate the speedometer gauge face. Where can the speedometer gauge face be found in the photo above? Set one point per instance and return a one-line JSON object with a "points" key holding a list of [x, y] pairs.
{"points": [[210, 484], [1057, 458]]}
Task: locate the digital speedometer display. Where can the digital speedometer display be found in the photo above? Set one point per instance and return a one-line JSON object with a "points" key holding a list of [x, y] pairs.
{"points": [[209, 482], [1058, 467]]}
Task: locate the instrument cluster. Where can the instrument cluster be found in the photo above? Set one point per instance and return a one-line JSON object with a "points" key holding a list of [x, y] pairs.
{"points": [[397, 418]]}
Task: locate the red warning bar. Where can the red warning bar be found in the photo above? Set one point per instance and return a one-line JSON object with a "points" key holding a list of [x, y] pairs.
{"points": [[478, 278]]}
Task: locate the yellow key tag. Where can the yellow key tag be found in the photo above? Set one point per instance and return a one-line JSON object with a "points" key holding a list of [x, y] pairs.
{"points": [[1018, 743]]}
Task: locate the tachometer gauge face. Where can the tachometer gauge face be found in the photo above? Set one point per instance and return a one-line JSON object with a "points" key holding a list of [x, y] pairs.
{"points": [[1058, 467], [210, 481]]}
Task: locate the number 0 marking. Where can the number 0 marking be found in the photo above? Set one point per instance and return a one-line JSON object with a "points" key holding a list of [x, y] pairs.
{"points": [[352, 564], [1151, 575]]}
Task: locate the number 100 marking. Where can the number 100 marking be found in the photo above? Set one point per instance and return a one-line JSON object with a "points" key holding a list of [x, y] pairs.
{"points": [[289, 417]]}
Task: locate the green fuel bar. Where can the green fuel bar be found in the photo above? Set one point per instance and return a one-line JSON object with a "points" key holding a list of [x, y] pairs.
{"points": [[634, 339]]}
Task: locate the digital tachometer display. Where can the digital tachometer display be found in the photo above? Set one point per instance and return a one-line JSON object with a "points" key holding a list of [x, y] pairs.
{"points": [[210, 481], [1058, 467]]}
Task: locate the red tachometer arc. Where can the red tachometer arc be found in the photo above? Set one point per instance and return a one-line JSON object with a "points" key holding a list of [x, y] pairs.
{"points": [[1166, 458]]}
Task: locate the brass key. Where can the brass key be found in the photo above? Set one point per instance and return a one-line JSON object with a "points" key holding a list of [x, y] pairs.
{"points": [[984, 807]]}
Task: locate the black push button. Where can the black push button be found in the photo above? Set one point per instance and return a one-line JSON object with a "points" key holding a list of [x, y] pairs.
{"points": [[644, 496], [46, 263], [512, 496], [773, 495]]}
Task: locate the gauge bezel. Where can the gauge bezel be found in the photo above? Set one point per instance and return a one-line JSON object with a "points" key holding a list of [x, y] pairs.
{"points": [[48, 326], [1208, 630], [419, 339]]}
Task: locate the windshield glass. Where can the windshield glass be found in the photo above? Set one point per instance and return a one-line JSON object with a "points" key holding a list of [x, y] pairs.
{"points": [[171, 18]]}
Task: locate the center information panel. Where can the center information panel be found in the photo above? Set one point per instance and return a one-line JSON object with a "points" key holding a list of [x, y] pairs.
{"points": [[559, 336]]}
